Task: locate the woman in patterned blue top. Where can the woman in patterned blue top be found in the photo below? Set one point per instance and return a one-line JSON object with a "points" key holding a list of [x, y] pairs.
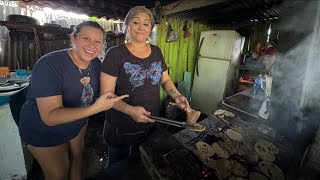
{"points": [[136, 68], [60, 98]]}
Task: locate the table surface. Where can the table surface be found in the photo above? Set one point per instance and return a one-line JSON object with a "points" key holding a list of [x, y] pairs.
{"points": [[8, 87]]}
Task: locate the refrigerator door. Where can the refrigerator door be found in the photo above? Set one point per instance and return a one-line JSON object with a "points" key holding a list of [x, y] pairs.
{"points": [[209, 87], [219, 44]]}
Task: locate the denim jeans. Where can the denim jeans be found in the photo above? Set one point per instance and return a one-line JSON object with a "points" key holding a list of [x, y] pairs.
{"points": [[118, 160]]}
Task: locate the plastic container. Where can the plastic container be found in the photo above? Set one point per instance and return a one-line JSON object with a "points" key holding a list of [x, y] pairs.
{"points": [[4, 100], [21, 72], [257, 84]]}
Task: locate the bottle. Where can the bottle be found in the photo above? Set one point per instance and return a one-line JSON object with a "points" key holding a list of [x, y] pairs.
{"points": [[264, 111], [257, 84]]}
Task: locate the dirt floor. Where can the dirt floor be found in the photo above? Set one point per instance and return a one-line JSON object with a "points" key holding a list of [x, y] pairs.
{"points": [[95, 153]]}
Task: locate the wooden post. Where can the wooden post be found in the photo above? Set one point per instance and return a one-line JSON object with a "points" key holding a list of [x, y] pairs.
{"points": [[37, 42]]}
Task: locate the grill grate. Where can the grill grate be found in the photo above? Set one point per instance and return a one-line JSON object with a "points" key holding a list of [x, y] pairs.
{"points": [[251, 132]]}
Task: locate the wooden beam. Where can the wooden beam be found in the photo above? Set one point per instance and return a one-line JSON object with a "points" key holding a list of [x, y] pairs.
{"points": [[184, 5], [37, 42]]}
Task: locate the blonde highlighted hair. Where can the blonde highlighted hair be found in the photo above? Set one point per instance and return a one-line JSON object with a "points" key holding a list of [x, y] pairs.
{"points": [[133, 12]]}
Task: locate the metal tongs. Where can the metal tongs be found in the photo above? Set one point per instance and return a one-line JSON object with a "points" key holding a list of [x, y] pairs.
{"points": [[168, 121]]}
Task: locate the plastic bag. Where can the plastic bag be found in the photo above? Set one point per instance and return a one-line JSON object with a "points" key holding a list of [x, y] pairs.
{"points": [[171, 35]]}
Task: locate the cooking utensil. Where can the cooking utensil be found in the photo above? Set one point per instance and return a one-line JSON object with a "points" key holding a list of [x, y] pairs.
{"points": [[192, 115], [189, 126], [168, 121]]}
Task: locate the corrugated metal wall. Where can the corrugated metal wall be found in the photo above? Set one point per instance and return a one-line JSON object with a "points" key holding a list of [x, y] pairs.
{"points": [[25, 51]]}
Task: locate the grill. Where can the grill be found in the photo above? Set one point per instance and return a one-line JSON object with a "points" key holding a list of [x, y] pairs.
{"points": [[172, 158]]}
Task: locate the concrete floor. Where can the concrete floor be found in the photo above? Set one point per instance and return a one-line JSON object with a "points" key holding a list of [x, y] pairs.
{"points": [[95, 153]]}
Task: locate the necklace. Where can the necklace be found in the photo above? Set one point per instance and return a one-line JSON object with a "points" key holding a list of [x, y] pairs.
{"points": [[85, 80], [87, 94]]}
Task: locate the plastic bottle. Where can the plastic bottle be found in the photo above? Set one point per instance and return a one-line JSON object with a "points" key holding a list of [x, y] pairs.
{"points": [[257, 84]]}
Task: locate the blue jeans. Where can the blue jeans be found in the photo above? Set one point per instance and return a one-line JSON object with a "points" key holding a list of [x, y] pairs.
{"points": [[118, 160]]}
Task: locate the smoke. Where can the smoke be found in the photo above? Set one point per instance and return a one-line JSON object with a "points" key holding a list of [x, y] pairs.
{"points": [[295, 83]]}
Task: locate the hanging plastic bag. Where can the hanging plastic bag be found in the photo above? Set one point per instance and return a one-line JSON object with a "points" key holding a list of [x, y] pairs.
{"points": [[171, 35]]}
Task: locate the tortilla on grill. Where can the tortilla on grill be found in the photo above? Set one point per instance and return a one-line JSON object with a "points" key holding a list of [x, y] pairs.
{"points": [[194, 127], [271, 170], [226, 167], [264, 151], [238, 169], [224, 113], [247, 151], [199, 155], [234, 135], [204, 148], [222, 167], [271, 145], [228, 144], [217, 149], [192, 116]]}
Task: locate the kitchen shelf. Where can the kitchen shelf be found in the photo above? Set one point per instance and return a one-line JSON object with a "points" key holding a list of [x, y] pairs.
{"points": [[242, 67]]}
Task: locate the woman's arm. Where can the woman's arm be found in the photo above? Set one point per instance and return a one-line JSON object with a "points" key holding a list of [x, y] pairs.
{"points": [[168, 85], [108, 84], [172, 91], [53, 113], [138, 113]]}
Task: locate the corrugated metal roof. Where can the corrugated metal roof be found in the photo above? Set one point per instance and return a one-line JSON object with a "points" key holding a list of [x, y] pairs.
{"points": [[225, 12], [234, 11], [99, 8]]}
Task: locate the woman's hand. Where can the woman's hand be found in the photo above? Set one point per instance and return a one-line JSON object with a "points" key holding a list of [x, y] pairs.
{"points": [[182, 102], [107, 100], [139, 114]]}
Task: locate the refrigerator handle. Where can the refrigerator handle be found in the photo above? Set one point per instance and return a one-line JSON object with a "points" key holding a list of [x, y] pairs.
{"points": [[197, 57]]}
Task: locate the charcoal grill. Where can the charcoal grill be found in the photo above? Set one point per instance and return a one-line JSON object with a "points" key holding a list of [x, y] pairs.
{"points": [[173, 158]]}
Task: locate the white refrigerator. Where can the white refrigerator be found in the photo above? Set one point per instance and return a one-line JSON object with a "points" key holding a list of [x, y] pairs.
{"points": [[217, 66]]}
